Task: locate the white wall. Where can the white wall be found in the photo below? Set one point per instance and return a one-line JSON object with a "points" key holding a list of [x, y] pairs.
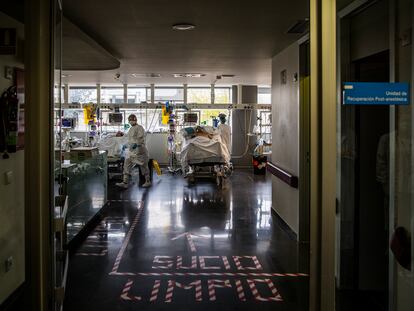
{"points": [[285, 133], [12, 242], [158, 147]]}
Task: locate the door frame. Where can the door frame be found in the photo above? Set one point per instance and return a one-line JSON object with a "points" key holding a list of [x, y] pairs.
{"points": [[39, 187], [345, 12], [39, 51], [323, 154], [304, 139]]}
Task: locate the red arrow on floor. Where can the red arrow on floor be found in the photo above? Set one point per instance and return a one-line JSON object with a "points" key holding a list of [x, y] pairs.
{"points": [[190, 241]]}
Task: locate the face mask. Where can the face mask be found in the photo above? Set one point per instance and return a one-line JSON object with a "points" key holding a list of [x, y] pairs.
{"points": [[133, 123]]}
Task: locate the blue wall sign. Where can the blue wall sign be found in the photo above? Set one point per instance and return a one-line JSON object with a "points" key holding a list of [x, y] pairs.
{"points": [[369, 93]]}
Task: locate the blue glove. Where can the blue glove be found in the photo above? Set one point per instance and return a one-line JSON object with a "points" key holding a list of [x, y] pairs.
{"points": [[134, 146]]}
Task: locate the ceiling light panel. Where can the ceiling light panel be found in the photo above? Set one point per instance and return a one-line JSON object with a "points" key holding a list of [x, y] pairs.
{"points": [[146, 75], [183, 27], [189, 75]]}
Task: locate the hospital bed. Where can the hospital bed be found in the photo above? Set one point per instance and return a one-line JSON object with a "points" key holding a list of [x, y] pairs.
{"points": [[114, 146], [205, 156]]}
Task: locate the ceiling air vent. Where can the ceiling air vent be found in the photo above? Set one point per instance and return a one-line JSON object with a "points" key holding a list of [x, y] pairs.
{"points": [[300, 27]]}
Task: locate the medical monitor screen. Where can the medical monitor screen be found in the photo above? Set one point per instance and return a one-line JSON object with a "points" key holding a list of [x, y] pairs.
{"points": [[115, 118], [68, 123], [190, 118]]}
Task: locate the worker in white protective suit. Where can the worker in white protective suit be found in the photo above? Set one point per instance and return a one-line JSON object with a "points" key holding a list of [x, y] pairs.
{"points": [[225, 132], [137, 154]]}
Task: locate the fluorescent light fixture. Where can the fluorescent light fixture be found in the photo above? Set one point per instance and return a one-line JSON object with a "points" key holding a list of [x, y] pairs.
{"points": [[64, 75], [183, 26], [146, 75], [189, 75]]}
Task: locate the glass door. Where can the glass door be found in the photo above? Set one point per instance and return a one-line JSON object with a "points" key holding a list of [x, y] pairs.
{"points": [[401, 159], [375, 157], [60, 199]]}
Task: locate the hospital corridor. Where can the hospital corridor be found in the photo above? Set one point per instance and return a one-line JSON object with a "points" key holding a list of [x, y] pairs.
{"points": [[188, 247], [206, 155]]}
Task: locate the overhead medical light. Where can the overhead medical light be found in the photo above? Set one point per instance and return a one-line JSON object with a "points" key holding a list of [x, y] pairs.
{"points": [[183, 26], [189, 75]]}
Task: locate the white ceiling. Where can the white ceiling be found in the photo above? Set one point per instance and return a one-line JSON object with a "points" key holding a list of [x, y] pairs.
{"points": [[231, 37]]}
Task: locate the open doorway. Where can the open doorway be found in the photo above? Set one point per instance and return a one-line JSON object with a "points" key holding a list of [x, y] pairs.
{"points": [[204, 233], [179, 242]]}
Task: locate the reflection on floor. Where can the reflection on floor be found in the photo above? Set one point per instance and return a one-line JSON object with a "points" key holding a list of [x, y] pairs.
{"points": [[189, 248]]}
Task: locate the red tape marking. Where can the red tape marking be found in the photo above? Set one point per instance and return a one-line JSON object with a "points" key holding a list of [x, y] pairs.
{"points": [[218, 274], [203, 263], [180, 263], [195, 284], [155, 290], [240, 290], [163, 264], [239, 266], [125, 292], [127, 238], [191, 242], [252, 284], [226, 263], [213, 284]]}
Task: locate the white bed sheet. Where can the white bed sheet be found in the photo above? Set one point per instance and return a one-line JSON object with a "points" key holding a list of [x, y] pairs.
{"points": [[200, 149], [113, 145]]}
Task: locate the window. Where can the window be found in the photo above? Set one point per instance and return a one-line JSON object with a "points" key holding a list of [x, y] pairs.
{"points": [[137, 95], [58, 100], [207, 116], [199, 95], [222, 95], [264, 95], [164, 94], [112, 95], [150, 119], [82, 95], [265, 124], [154, 121]]}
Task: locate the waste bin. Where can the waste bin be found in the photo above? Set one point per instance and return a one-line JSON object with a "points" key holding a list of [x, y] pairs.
{"points": [[259, 164]]}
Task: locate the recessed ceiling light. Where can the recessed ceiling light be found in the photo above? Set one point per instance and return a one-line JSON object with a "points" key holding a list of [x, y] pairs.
{"points": [[188, 75], [146, 75], [183, 26]]}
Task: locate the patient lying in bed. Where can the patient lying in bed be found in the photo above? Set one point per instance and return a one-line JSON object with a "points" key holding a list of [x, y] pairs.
{"points": [[113, 144], [203, 145]]}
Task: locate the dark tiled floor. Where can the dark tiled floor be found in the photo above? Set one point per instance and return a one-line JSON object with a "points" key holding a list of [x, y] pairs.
{"points": [[189, 248]]}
